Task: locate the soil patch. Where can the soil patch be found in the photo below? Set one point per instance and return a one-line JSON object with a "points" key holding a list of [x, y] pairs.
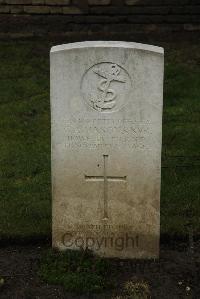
{"points": [[175, 275]]}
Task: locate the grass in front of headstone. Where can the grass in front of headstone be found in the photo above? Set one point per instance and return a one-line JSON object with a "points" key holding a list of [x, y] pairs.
{"points": [[77, 271], [82, 272], [135, 290]]}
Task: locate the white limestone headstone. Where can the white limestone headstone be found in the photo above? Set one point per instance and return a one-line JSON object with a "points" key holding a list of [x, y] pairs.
{"points": [[106, 105]]}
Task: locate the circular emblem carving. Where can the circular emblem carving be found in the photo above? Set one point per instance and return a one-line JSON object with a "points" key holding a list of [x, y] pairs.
{"points": [[105, 87]]}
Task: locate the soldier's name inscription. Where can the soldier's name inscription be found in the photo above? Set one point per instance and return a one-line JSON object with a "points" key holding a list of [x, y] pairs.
{"points": [[105, 132]]}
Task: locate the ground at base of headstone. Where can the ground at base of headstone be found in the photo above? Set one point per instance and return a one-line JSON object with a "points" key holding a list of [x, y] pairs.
{"points": [[175, 275]]}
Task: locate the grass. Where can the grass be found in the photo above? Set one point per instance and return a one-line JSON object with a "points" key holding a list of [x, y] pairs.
{"points": [[25, 203], [180, 193], [135, 290], [25, 141], [76, 271], [81, 272]]}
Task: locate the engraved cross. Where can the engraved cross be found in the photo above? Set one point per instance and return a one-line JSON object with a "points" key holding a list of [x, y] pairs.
{"points": [[106, 179]]}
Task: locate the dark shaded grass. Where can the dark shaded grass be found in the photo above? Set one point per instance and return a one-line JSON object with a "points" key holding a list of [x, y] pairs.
{"points": [[25, 190], [76, 271]]}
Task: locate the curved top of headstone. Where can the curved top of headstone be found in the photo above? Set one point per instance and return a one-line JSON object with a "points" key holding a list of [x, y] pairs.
{"points": [[110, 44]]}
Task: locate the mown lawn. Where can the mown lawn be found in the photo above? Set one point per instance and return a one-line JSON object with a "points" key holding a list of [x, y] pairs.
{"points": [[25, 185]]}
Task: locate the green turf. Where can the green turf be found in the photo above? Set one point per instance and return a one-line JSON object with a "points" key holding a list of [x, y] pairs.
{"points": [[25, 203], [77, 271]]}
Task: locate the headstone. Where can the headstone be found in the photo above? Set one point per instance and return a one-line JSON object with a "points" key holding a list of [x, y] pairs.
{"points": [[106, 104]]}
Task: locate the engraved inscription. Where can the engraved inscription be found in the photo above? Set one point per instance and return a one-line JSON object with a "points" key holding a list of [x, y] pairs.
{"points": [[100, 227], [106, 133], [105, 87]]}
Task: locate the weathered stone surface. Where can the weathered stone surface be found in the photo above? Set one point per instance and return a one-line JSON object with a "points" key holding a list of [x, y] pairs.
{"points": [[72, 10], [4, 9], [38, 2], [106, 103], [37, 9], [57, 2], [18, 2], [16, 9], [56, 10], [99, 2]]}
